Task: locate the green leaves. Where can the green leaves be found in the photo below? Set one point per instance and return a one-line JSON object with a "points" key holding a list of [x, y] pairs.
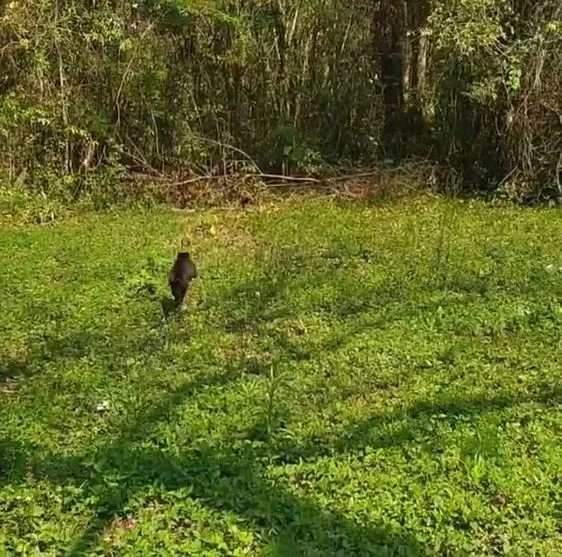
{"points": [[467, 26]]}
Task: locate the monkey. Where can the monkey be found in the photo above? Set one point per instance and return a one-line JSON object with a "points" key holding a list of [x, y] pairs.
{"points": [[182, 273]]}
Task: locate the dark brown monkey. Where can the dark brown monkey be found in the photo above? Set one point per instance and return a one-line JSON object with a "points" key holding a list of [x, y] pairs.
{"points": [[182, 273]]}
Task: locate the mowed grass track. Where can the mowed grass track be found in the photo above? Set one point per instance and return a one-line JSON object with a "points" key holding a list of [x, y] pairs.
{"points": [[348, 380]]}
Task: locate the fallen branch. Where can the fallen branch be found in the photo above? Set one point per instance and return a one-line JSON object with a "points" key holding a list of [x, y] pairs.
{"points": [[286, 178], [195, 179], [287, 181], [353, 176]]}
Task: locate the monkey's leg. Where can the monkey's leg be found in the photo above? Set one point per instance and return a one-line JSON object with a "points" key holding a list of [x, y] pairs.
{"points": [[177, 293]]}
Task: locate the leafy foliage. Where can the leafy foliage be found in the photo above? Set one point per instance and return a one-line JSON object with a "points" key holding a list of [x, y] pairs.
{"points": [[177, 86]]}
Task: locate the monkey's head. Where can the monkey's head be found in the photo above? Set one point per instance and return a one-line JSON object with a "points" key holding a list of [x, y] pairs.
{"points": [[183, 255]]}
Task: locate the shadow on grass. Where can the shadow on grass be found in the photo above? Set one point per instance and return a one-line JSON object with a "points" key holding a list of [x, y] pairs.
{"points": [[367, 432], [15, 457], [169, 306], [233, 482], [221, 477], [11, 371], [236, 480]]}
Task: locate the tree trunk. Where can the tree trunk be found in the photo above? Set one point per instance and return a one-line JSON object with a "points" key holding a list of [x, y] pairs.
{"points": [[388, 31]]}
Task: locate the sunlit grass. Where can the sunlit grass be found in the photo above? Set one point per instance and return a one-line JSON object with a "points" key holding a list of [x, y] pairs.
{"points": [[347, 381]]}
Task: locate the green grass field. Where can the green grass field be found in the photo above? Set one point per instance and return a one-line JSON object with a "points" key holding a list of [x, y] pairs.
{"points": [[348, 380]]}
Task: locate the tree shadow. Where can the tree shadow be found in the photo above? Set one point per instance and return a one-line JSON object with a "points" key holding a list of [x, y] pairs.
{"points": [[255, 296], [364, 433], [267, 298], [14, 458], [224, 478], [235, 479], [11, 371], [111, 342], [234, 482]]}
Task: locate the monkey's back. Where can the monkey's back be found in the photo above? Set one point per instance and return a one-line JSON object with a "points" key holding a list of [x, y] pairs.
{"points": [[182, 272]]}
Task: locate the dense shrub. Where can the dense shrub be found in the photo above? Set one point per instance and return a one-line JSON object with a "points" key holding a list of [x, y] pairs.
{"points": [[208, 86]]}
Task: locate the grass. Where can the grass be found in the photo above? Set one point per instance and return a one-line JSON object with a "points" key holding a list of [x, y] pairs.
{"points": [[348, 380]]}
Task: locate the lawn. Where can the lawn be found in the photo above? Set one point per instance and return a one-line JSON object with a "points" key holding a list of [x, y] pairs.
{"points": [[348, 380]]}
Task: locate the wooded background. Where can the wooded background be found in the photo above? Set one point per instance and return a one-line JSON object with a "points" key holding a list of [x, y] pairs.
{"points": [[95, 90]]}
